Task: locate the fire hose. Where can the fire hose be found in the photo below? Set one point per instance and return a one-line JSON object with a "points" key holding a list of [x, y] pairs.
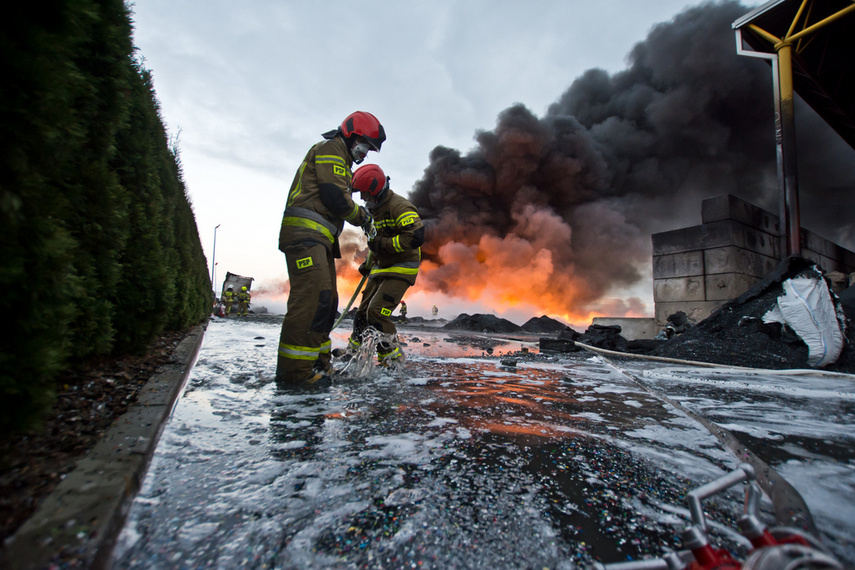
{"points": [[788, 547], [772, 549], [369, 261]]}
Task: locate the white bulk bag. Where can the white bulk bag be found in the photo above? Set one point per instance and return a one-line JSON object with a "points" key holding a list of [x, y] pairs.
{"points": [[807, 308]]}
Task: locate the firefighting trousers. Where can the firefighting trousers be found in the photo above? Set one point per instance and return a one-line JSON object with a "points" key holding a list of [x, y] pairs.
{"points": [[304, 342], [380, 298]]}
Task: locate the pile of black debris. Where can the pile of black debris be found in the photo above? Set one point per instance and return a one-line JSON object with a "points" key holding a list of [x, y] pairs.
{"points": [[607, 337], [494, 324], [482, 323], [736, 335], [543, 325]]}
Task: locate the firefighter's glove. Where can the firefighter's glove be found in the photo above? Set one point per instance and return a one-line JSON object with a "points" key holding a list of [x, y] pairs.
{"points": [[367, 223], [364, 215], [369, 229], [364, 269]]}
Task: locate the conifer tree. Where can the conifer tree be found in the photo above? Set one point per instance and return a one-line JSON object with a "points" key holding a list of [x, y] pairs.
{"points": [[98, 239]]}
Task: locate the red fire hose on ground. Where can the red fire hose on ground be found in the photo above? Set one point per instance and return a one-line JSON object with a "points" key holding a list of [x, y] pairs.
{"points": [[782, 548]]}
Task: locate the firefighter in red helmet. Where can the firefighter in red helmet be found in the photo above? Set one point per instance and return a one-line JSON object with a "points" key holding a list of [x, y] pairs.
{"points": [[396, 251], [319, 202]]}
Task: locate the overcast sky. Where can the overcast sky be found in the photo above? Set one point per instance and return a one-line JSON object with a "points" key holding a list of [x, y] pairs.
{"points": [[251, 85]]}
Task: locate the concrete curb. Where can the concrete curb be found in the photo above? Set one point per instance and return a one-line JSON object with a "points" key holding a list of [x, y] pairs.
{"points": [[82, 518]]}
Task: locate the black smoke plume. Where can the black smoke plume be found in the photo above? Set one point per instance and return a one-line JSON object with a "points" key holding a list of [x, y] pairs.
{"points": [[565, 204]]}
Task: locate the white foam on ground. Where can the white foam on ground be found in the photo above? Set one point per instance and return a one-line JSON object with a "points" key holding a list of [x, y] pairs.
{"points": [[245, 473]]}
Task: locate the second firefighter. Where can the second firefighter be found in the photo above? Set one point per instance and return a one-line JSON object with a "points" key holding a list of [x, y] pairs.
{"points": [[395, 253]]}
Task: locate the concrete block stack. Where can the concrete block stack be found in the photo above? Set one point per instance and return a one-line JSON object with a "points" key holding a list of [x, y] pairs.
{"points": [[827, 254], [698, 269]]}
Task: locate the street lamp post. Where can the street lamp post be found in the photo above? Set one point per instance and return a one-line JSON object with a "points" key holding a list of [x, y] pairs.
{"points": [[214, 260]]}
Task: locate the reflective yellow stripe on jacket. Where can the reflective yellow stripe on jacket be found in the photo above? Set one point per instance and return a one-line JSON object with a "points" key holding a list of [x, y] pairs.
{"points": [[309, 224], [353, 213], [330, 159], [408, 268], [299, 187], [406, 219], [319, 159]]}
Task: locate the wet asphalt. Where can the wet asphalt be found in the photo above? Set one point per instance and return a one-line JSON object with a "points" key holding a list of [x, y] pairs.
{"points": [[478, 453]]}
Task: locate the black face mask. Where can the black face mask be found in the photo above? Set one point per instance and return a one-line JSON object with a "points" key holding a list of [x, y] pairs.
{"points": [[375, 201]]}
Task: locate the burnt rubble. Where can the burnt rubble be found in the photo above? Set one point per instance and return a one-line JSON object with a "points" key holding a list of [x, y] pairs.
{"points": [[734, 335], [604, 336], [482, 323], [847, 302], [543, 325]]}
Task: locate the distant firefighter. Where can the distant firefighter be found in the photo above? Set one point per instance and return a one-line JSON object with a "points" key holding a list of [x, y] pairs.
{"points": [[229, 298], [434, 310], [244, 297], [403, 312]]}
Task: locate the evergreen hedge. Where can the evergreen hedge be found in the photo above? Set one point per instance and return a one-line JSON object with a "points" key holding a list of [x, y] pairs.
{"points": [[99, 250]]}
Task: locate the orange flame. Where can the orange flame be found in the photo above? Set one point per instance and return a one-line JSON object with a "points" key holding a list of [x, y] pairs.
{"points": [[531, 269]]}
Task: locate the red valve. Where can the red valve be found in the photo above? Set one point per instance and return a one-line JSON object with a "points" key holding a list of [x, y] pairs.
{"points": [[773, 549], [709, 558]]}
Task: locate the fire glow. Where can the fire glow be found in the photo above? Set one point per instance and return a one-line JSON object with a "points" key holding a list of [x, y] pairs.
{"points": [[533, 266], [530, 269], [500, 275]]}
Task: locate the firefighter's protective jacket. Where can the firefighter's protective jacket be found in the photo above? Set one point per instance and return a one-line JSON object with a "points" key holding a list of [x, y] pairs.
{"points": [[319, 201], [400, 234]]}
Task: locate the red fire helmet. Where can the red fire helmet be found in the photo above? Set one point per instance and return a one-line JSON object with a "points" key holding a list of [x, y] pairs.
{"points": [[369, 178], [365, 125]]}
